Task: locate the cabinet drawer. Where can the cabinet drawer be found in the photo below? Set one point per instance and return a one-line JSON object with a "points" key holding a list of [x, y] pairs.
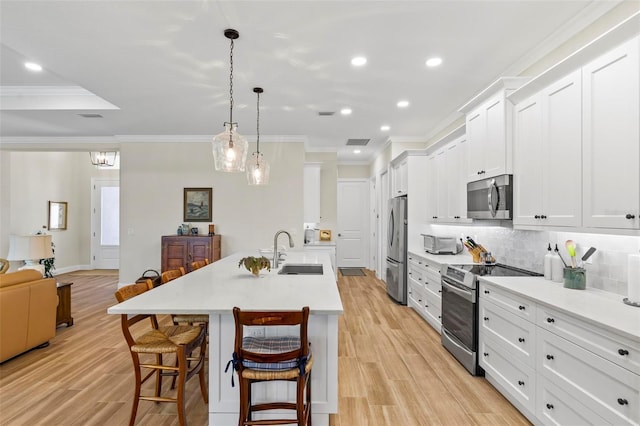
{"points": [[515, 334], [611, 391], [616, 349], [433, 308], [515, 377], [509, 301], [556, 407]]}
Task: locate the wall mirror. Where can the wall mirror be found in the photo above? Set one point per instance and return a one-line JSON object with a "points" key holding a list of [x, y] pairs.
{"points": [[57, 215]]}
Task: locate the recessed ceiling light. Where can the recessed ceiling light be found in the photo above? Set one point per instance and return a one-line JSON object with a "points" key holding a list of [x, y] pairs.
{"points": [[356, 151], [358, 61], [385, 128], [434, 62], [345, 111], [403, 104], [33, 66]]}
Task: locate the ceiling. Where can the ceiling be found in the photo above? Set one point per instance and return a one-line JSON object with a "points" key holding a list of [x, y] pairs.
{"points": [[162, 67]]}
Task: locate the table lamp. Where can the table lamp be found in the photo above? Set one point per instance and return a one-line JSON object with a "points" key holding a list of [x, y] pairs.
{"points": [[30, 248]]}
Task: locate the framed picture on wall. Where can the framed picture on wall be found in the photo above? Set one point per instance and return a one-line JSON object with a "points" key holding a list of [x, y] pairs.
{"points": [[57, 215], [197, 204]]}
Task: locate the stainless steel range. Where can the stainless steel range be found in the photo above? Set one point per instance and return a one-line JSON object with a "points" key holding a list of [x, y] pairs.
{"points": [[460, 308]]}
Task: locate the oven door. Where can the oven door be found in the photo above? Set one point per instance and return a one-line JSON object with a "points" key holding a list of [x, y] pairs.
{"points": [[459, 313]]}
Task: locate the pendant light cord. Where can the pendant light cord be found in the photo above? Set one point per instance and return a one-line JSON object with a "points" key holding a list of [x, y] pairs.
{"points": [[231, 85], [258, 124]]}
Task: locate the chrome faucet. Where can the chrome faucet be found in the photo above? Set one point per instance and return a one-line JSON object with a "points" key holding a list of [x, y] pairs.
{"points": [[275, 247]]}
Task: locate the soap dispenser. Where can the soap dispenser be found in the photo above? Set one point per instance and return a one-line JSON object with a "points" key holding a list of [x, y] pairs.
{"points": [[548, 259]]}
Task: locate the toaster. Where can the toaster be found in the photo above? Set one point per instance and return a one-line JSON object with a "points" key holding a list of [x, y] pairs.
{"points": [[439, 245]]}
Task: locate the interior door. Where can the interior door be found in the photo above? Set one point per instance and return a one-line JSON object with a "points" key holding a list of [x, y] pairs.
{"points": [[105, 224], [382, 231], [353, 218]]}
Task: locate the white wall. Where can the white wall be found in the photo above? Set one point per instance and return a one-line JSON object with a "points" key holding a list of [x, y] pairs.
{"points": [[346, 171], [29, 181], [152, 179]]}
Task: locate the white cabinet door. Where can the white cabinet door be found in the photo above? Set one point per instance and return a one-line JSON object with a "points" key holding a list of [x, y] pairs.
{"points": [[562, 152], [611, 131], [455, 162], [311, 197], [443, 185], [403, 170], [476, 129], [432, 188], [527, 162], [495, 145]]}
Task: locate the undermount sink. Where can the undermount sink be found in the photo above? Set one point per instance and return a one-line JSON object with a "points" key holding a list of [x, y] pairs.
{"points": [[301, 269]]}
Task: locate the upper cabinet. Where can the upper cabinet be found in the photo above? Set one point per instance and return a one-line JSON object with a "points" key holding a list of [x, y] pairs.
{"points": [[611, 139], [399, 176], [489, 132], [547, 155], [576, 140], [446, 190], [312, 193]]}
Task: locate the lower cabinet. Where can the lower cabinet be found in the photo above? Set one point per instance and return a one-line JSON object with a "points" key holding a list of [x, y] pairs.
{"points": [[424, 289], [328, 249], [182, 250], [554, 368]]}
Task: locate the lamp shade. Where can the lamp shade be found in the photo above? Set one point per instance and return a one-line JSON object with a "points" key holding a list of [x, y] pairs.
{"points": [[30, 247]]}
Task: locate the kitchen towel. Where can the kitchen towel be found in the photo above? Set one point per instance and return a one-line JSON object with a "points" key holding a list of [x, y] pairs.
{"points": [[633, 281]]}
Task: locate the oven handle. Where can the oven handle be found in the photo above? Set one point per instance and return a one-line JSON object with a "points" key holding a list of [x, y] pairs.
{"points": [[465, 294]]}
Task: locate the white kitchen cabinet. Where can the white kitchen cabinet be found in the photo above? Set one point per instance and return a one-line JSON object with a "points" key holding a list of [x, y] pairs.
{"points": [[581, 373], [400, 174], [447, 186], [489, 130], [424, 288], [311, 198], [329, 249], [611, 131], [548, 156]]}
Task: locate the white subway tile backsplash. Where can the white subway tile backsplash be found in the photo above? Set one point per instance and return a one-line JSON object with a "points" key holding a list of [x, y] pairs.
{"points": [[526, 250]]}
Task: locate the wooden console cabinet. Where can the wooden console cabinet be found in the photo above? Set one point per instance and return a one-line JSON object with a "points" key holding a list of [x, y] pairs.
{"points": [[181, 250]]}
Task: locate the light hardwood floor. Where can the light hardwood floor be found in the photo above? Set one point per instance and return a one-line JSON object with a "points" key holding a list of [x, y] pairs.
{"points": [[392, 370]]}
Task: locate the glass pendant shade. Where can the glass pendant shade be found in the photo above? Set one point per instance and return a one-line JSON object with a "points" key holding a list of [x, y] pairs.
{"points": [[257, 170], [230, 150]]}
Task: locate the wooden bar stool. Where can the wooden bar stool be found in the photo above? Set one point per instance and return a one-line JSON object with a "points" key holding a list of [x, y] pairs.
{"points": [[180, 340], [199, 264], [171, 275], [263, 359]]}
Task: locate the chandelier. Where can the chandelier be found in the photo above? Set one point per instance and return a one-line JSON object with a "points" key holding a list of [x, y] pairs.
{"points": [[103, 158]]}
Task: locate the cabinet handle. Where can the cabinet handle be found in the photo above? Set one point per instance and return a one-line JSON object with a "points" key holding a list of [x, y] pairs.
{"points": [[520, 382], [439, 291], [486, 318], [434, 217], [623, 401], [549, 356], [550, 320], [479, 172], [521, 339], [439, 316], [486, 292], [522, 308], [544, 216], [419, 279], [486, 354], [536, 217], [550, 406], [630, 216], [623, 352], [420, 300], [426, 306]]}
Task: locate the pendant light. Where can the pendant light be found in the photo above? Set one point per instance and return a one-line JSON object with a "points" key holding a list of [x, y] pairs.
{"points": [[258, 167], [230, 147]]}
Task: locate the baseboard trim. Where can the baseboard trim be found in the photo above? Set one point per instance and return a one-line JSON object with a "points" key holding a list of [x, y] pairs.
{"points": [[73, 268]]}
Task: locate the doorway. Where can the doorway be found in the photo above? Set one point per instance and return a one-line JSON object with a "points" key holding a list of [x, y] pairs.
{"points": [[353, 223], [105, 223]]}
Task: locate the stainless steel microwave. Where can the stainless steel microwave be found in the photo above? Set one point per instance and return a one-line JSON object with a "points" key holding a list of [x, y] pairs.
{"points": [[490, 198]]}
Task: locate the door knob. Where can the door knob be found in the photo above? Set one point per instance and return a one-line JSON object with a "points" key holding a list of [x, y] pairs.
{"points": [[339, 235]]}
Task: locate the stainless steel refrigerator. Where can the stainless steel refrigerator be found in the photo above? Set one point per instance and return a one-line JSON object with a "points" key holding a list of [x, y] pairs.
{"points": [[397, 250]]}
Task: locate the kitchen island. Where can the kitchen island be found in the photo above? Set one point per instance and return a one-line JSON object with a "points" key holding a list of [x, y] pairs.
{"points": [[217, 288]]}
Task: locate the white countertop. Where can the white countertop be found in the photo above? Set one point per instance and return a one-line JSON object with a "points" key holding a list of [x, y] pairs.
{"points": [[591, 305], [320, 244], [457, 259], [218, 287]]}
